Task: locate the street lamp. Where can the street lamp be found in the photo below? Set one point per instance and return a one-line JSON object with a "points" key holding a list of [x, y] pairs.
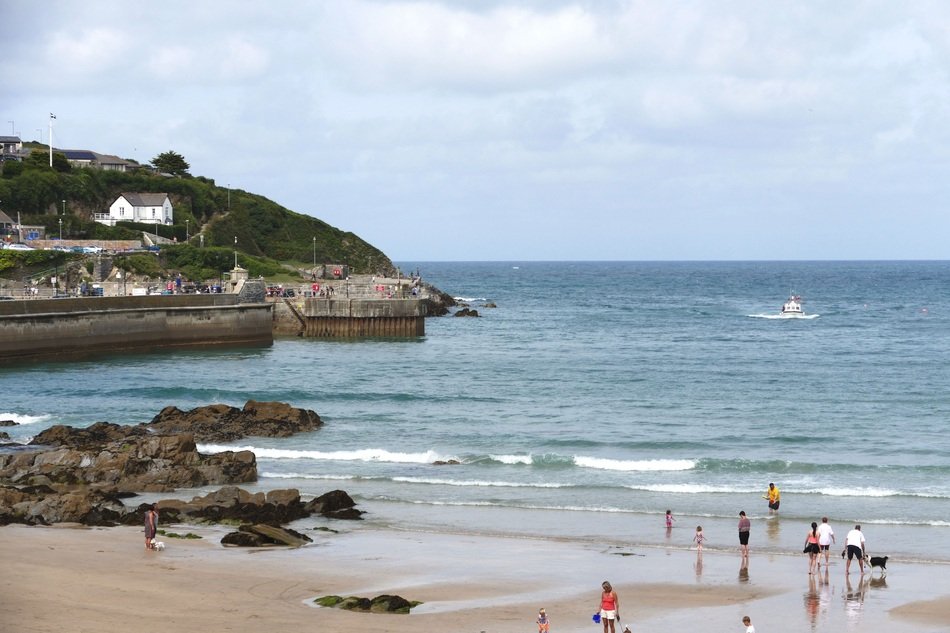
{"points": [[61, 229], [315, 252], [235, 251]]}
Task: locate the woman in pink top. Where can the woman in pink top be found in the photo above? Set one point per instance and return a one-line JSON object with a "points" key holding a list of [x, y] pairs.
{"points": [[812, 548], [609, 607]]}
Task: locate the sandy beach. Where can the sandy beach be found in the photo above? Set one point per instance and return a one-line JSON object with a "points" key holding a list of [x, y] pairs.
{"points": [[95, 580]]}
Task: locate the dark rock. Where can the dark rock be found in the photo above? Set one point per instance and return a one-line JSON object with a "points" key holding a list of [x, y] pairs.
{"points": [[446, 462], [90, 437], [9, 423], [336, 504], [466, 312], [4, 435], [389, 604], [490, 304], [261, 535], [242, 539], [223, 423], [437, 302]]}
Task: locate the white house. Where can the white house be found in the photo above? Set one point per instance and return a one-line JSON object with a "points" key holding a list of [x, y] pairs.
{"points": [[148, 208]]}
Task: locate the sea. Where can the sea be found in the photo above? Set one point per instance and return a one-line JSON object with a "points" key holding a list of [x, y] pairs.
{"points": [[588, 398]]}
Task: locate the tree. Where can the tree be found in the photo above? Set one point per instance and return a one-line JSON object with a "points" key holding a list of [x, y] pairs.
{"points": [[171, 163]]}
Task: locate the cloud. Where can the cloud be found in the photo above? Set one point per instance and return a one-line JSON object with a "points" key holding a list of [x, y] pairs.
{"points": [[426, 45]]}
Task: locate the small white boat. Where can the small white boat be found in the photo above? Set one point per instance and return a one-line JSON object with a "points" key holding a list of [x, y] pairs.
{"points": [[793, 307]]}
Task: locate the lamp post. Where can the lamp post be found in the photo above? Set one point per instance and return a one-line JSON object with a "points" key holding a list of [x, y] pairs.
{"points": [[61, 229], [235, 251], [314, 253]]}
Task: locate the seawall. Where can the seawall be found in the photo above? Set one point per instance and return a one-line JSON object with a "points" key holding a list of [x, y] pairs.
{"points": [[314, 317], [46, 329]]}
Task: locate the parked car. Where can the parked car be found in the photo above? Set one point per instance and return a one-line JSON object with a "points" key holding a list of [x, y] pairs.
{"points": [[19, 247], [91, 250]]}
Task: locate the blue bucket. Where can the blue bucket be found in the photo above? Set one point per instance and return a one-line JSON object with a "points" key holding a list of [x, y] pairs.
{"points": [[596, 618]]}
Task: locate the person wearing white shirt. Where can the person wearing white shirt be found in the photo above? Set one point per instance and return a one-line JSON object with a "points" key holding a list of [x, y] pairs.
{"points": [[826, 536], [856, 546]]}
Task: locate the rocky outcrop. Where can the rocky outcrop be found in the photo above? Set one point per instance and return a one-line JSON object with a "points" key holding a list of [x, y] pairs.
{"points": [[335, 505], [42, 505], [265, 536], [466, 312], [223, 423], [233, 504], [123, 458], [81, 475], [437, 302], [379, 604]]}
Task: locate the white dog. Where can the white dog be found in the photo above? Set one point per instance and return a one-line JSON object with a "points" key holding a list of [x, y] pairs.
{"points": [[158, 545]]}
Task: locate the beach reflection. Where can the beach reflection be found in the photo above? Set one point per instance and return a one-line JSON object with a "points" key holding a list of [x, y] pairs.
{"points": [[698, 566], [854, 599], [744, 571], [812, 602], [772, 528]]}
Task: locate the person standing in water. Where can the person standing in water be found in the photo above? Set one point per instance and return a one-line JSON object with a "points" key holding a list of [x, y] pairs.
{"points": [[745, 526], [774, 498]]}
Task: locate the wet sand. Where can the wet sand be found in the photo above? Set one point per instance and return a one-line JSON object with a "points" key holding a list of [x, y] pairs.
{"points": [[101, 580]]}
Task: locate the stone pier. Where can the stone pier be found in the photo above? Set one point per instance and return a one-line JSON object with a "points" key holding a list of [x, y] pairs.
{"points": [[350, 318]]}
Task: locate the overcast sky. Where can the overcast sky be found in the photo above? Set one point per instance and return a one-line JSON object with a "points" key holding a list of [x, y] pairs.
{"points": [[522, 130]]}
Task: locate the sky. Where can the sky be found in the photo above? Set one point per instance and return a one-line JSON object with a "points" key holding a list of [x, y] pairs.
{"points": [[518, 131]]}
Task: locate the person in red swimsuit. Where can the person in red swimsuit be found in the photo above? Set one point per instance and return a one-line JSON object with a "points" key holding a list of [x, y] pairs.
{"points": [[609, 607]]}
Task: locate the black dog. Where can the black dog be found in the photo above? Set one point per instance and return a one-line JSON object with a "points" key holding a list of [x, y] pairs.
{"points": [[878, 561], [872, 561]]}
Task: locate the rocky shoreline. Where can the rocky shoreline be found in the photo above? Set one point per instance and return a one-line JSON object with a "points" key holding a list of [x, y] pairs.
{"points": [[72, 475]]}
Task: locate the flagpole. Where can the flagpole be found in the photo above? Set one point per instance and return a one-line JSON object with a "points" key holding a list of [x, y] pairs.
{"points": [[51, 117]]}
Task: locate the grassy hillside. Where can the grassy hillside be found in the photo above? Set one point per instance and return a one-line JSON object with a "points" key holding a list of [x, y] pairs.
{"points": [[264, 229]]}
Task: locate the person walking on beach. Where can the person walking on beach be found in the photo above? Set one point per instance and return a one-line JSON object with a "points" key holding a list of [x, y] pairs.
{"points": [[856, 546], [609, 607], [747, 622], [745, 526], [812, 548], [774, 498], [826, 536], [699, 538], [544, 624], [151, 525]]}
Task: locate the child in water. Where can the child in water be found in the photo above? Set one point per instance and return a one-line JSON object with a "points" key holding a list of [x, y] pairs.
{"points": [[699, 538], [544, 624], [669, 519]]}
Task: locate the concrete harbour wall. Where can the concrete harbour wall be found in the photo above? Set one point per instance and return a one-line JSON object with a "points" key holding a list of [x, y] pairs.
{"points": [[58, 328], [346, 318]]}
